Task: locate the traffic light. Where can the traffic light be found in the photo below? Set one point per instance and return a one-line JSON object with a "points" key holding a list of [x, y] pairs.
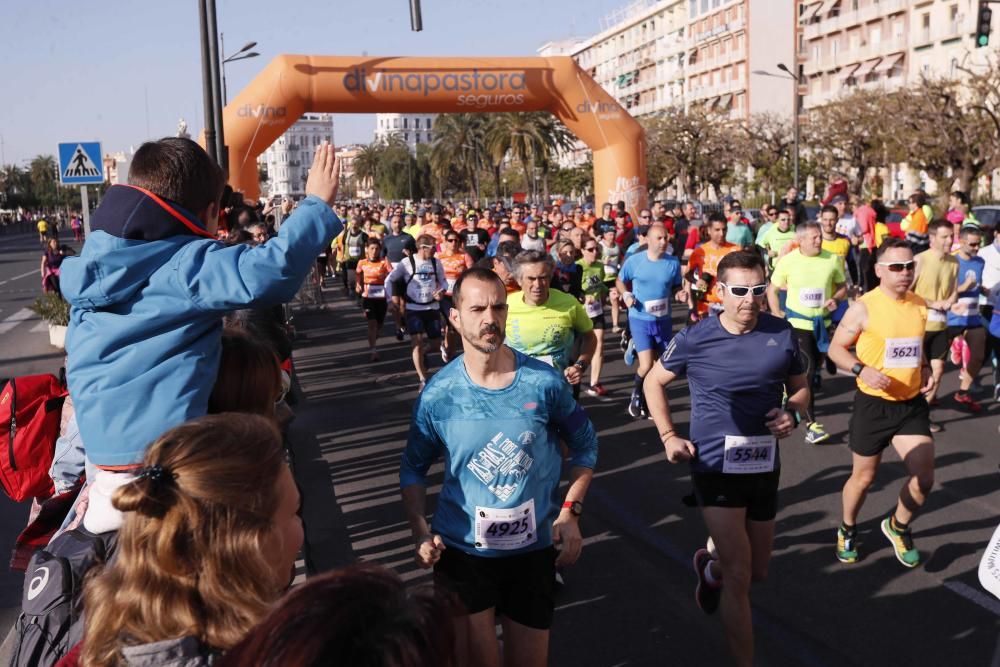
{"points": [[983, 17]]}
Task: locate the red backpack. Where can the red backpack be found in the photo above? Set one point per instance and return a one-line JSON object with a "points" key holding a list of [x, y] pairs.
{"points": [[30, 408]]}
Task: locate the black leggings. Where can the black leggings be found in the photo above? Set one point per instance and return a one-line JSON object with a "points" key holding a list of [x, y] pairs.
{"points": [[811, 358]]}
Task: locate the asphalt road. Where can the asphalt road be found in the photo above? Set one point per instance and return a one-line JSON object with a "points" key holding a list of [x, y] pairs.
{"points": [[629, 601]]}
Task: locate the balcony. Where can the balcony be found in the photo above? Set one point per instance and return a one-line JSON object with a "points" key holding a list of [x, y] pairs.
{"points": [[853, 17], [701, 92], [717, 31], [831, 61], [707, 64]]}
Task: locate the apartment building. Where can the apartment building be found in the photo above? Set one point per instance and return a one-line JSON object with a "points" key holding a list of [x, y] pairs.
{"points": [[288, 159], [884, 44], [637, 57], [412, 129]]}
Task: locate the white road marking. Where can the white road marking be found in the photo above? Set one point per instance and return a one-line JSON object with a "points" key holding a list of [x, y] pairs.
{"points": [[985, 601], [23, 275], [41, 327], [22, 315]]}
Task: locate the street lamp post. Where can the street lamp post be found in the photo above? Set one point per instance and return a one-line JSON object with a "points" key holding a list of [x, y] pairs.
{"points": [[796, 112], [239, 55]]}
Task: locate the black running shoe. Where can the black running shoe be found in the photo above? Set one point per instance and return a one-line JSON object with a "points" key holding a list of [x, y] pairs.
{"points": [[705, 595]]}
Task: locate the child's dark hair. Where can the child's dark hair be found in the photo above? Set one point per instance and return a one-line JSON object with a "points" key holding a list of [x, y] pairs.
{"points": [[179, 170]]}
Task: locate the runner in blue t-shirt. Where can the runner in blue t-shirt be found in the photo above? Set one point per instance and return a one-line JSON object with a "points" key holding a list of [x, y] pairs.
{"points": [[737, 365], [964, 320], [647, 281], [497, 417]]}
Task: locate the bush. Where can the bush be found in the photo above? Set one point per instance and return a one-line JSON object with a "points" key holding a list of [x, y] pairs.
{"points": [[52, 308]]}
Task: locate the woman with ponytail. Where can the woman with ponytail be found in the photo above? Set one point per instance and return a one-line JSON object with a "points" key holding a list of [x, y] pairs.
{"points": [[208, 543]]}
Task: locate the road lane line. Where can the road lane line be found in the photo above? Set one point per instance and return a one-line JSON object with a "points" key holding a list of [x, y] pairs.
{"points": [[22, 315], [972, 595], [41, 327], [23, 275]]}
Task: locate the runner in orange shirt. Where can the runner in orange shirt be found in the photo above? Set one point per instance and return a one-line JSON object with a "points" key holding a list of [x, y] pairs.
{"points": [[455, 261], [372, 272], [437, 226], [702, 267]]}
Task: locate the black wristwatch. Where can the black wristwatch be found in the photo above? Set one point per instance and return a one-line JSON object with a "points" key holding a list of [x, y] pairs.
{"points": [[580, 364], [575, 507], [857, 368]]}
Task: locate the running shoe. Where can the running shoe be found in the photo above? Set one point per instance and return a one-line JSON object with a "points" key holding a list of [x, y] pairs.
{"points": [[400, 332], [902, 544], [847, 550], [635, 407], [965, 399], [705, 594], [996, 393], [624, 340], [630, 353], [597, 390], [816, 434]]}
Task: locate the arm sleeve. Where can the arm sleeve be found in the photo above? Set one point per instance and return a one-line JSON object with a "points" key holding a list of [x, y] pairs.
{"points": [[573, 426], [423, 447], [218, 277], [674, 358]]}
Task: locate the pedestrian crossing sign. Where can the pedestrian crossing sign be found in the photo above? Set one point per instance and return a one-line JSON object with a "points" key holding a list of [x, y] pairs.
{"points": [[80, 163]]}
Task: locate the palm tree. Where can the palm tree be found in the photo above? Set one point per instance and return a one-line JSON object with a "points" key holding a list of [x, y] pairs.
{"points": [[557, 139], [458, 141], [366, 164], [521, 135], [43, 174]]}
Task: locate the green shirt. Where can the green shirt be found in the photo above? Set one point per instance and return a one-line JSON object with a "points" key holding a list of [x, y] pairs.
{"points": [[776, 240], [546, 332], [810, 281]]}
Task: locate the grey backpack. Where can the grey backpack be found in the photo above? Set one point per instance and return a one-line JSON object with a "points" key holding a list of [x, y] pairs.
{"points": [[50, 623]]}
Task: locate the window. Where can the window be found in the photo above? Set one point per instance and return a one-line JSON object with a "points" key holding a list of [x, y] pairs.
{"points": [[953, 68], [405, 122], [417, 135], [395, 123], [406, 135], [874, 35]]}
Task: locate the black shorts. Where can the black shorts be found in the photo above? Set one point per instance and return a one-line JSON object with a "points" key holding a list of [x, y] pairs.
{"points": [[520, 587], [955, 332], [875, 421], [599, 322], [426, 322], [757, 492], [446, 305], [936, 344], [374, 309]]}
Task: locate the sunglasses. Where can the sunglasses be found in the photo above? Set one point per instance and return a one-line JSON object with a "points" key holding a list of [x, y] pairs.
{"points": [[592, 248], [975, 245], [896, 267], [451, 239], [643, 216], [742, 290]]}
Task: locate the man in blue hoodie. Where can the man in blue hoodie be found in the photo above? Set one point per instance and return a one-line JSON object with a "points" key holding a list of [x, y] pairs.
{"points": [[149, 290]]}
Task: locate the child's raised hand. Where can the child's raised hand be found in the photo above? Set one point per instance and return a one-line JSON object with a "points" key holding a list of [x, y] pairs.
{"points": [[324, 175]]}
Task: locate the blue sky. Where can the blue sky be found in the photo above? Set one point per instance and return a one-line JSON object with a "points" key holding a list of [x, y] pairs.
{"points": [[122, 71]]}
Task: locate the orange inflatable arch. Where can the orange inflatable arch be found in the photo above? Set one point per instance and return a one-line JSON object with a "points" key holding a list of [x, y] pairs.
{"points": [[293, 85]]}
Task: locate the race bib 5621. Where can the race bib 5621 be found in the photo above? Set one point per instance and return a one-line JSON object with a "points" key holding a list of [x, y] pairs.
{"points": [[902, 352]]}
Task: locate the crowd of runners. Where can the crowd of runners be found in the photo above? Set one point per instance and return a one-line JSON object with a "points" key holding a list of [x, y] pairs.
{"points": [[183, 516], [768, 304]]}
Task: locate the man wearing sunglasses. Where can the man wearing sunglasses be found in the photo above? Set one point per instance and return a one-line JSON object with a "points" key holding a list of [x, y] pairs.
{"points": [[814, 282], [737, 365], [887, 326]]}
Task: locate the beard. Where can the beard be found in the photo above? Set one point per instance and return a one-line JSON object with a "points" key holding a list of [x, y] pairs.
{"points": [[481, 343]]}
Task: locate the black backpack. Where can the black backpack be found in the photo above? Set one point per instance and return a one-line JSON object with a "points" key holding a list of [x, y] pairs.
{"points": [[51, 622]]}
